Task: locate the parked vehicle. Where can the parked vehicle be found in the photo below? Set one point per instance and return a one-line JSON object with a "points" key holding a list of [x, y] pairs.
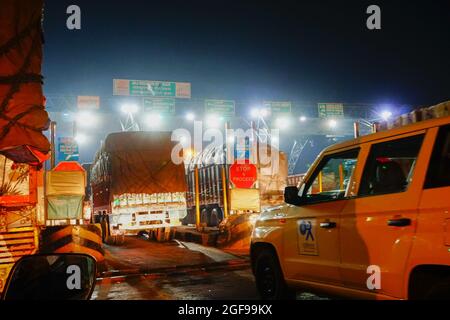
{"points": [[214, 182], [136, 187], [370, 220]]}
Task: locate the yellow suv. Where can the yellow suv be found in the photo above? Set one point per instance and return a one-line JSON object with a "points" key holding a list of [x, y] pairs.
{"points": [[370, 220]]}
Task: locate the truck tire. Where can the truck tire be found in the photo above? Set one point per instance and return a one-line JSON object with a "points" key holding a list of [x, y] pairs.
{"points": [[204, 217], [117, 240], [269, 277], [160, 235], [215, 218]]}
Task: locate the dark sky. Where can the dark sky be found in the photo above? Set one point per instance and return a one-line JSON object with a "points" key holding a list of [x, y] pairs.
{"points": [[305, 51]]}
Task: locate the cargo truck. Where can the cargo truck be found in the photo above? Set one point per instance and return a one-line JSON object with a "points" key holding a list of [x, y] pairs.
{"points": [[217, 195], [136, 187]]}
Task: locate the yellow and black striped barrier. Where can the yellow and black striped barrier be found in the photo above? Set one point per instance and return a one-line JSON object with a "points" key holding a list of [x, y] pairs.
{"points": [[73, 239]]}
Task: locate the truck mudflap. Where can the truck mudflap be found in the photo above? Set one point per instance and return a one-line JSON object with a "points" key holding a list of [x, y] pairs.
{"points": [[74, 239], [14, 244]]}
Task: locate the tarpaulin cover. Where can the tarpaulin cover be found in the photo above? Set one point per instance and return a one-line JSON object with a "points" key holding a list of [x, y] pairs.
{"points": [[65, 183], [22, 114], [139, 162], [64, 207]]}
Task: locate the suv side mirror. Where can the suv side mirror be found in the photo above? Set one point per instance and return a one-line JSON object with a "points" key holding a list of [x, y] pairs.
{"points": [[291, 196], [52, 277]]}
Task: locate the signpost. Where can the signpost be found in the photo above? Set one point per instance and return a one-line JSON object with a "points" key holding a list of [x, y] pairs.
{"points": [[159, 105], [331, 110], [148, 88], [68, 149], [221, 107], [243, 176], [242, 149], [88, 102], [277, 107]]}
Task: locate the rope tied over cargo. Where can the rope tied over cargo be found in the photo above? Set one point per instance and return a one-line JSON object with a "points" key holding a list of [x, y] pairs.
{"points": [[34, 30]]}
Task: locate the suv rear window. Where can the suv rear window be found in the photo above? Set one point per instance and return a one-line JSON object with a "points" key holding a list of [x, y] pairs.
{"points": [[390, 166], [438, 174]]}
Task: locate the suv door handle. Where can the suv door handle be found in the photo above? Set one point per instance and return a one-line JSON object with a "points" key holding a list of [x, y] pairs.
{"points": [[401, 222], [328, 225]]}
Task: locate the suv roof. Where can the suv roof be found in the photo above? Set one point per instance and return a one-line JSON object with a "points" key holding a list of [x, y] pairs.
{"points": [[422, 125]]}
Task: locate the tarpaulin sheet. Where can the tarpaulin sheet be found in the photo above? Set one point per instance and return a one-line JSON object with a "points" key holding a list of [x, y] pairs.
{"points": [[65, 183], [64, 207], [139, 162], [245, 200], [22, 114]]}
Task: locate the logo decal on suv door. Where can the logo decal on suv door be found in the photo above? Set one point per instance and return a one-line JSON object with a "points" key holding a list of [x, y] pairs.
{"points": [[307, 239]]}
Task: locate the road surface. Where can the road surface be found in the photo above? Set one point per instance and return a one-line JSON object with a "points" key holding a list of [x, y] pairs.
{"points": [[147, 270]]}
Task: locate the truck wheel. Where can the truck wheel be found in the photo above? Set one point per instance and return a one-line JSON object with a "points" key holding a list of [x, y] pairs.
{"points": [[215, 218], [269, 278], [160, 235], [115, 240], [204, 217]]}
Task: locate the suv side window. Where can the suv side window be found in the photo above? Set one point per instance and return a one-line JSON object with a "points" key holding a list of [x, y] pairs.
{"points": [[438, 174], [331, 178], [390, 166]]}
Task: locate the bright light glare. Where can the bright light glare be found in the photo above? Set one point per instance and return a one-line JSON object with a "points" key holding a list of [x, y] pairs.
{"points": [[259, 113], [129, 108], [154, 120], [264, 113], [302, 118], [282, 123], [213, 121], [254, 113], [81, 138], [386, 115], [188, 153], [332, 123], [86, 119], [190, 116]]}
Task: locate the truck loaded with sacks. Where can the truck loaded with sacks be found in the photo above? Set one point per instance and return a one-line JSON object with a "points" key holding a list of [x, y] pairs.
{"points": [[215, 199], [136, 187]]}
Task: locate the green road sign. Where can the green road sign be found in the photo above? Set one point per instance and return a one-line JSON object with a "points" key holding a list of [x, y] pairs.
{"points": [[331, 110], [159, 105], [276, 107], [222, 107], [146, 88]]}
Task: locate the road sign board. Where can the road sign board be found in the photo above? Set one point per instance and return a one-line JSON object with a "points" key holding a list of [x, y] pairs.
{"points": [[88, 102], [242, 148], [222, 107], [243, 175], [277, 107], [331, 110], [159, 105], [148, 88], [68, 149]]}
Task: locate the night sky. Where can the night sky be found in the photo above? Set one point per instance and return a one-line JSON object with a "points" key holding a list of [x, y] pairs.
{"points": [[304, 51]]}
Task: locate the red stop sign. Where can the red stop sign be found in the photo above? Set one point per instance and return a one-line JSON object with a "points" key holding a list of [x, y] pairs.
{"points": [[243, 175]]}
